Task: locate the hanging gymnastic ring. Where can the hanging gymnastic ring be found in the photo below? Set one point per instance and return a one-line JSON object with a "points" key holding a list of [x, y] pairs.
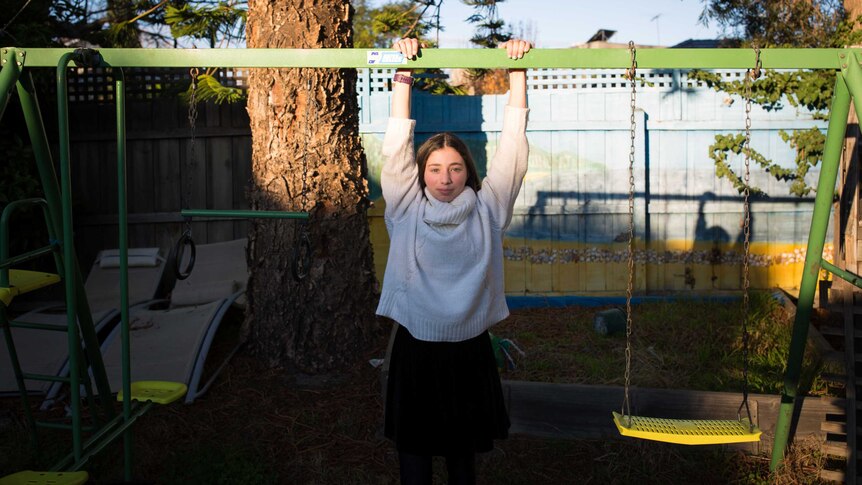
{"points": [[301, 255], [176, 256]]}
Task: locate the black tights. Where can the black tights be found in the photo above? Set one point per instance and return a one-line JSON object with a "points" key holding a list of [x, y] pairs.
{"points": [[416, 469]]}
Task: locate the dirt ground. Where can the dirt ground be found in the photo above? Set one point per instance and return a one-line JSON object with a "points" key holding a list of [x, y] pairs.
{"points": [[259, 426]]}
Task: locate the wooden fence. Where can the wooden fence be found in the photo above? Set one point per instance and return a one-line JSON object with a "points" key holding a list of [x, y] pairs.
{"points": [[163, 173]]}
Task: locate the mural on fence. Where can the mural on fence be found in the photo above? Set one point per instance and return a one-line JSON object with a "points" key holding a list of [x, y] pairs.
{"points": [[570, 230]]}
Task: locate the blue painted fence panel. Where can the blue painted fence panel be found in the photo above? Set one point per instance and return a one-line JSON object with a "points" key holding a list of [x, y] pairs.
{"points": [[571, 221]]}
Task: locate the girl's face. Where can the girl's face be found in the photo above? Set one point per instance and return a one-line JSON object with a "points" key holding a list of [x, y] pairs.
{"points": [[445, 174]]}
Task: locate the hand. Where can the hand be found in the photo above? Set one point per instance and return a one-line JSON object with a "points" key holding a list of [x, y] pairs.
{"points": [[408, 47], [516, 48], [400, 107]]}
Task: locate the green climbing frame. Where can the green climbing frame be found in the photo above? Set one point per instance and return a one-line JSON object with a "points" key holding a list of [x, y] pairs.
{"points": [[845, 62]]}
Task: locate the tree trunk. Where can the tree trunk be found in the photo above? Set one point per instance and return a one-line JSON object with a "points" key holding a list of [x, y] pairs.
{"points": [[305, 133]]}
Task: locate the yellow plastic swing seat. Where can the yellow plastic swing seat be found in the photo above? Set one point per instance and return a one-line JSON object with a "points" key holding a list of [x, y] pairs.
{"points": [[45, 478], [159, 392], [23, 281], [687, 431]]}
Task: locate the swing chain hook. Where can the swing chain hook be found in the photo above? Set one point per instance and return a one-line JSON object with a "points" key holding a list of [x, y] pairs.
{"points": [[630, 75], [632, 70], [758, 65]]}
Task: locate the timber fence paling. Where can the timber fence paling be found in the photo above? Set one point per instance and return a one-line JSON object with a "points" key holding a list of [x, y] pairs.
{"points": [[159, 160]]}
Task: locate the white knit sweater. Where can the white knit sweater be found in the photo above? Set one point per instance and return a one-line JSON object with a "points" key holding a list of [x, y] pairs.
{"points": [[444, 274]]}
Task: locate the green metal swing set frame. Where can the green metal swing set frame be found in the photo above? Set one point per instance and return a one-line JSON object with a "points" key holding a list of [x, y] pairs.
{"points": [[57, 203]]}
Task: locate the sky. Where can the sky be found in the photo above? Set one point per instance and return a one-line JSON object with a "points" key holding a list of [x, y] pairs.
{"points": [[562, 23]]}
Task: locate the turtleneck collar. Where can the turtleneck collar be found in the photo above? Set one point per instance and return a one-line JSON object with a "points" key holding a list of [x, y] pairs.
{"points": [[449, 213]]}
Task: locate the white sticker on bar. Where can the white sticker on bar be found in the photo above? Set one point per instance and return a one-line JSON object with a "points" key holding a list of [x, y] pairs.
{"points": [[385, 58]]}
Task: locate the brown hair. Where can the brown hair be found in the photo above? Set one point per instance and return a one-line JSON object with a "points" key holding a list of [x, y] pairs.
{"points": [[443, 140]]}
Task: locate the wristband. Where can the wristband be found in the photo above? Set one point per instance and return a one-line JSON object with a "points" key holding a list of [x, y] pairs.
{"points": [[401, 78]]}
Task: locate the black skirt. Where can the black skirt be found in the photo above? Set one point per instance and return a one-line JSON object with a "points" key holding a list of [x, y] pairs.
{"points": [[444, 397]]}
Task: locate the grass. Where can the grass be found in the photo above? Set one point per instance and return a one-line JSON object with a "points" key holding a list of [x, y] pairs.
{"points": [[674, 345], [260, 425]]}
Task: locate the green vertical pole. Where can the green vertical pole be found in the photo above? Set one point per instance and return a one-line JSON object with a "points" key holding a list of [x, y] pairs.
{"points": [[120, 93], [4, 317], [853, 77], [8, 78], [69, 253], [51, 190], [48, 178], [42, 154], [811, 268], [10, 69]]}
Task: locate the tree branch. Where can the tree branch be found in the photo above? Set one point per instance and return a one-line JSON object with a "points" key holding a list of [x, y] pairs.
{"points": [[418, 18], [147, 12]]}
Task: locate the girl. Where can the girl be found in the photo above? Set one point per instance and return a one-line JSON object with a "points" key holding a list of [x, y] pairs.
{"points": [[444, 282]]}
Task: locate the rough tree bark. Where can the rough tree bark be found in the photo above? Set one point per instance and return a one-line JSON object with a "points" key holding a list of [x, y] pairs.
{"points": [[319, 323], [853, 8]]}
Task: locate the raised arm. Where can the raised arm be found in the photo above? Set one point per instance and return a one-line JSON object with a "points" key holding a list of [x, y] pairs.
{"points": [[402, 81], [399, 179], [507, 169], [516, 49]]}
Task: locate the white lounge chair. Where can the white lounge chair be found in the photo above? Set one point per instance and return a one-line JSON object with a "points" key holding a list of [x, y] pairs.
{"points": [[45, 352], [173, 343]]}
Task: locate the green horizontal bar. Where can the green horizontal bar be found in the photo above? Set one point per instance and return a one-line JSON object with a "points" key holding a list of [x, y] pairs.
{"points": [[244, 214], [647, 58], [21, 258], [45, 377], [101, 438], [67, 426], [847, 276], [39, 326]]}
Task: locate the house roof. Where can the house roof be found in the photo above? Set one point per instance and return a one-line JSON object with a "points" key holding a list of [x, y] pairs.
{"points": [[699, 44], [602, 35]]}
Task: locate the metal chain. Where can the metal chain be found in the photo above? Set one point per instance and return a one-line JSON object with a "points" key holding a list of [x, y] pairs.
{"points": [[184, 248], [301, 237], [311, 99], [750, 76], [192, 162], [631, 73]]}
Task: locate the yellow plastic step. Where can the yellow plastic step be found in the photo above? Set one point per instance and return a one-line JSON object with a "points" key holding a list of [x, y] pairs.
{"points": [[687, 431], [159, 392], [24, 281], [45, 478]]}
